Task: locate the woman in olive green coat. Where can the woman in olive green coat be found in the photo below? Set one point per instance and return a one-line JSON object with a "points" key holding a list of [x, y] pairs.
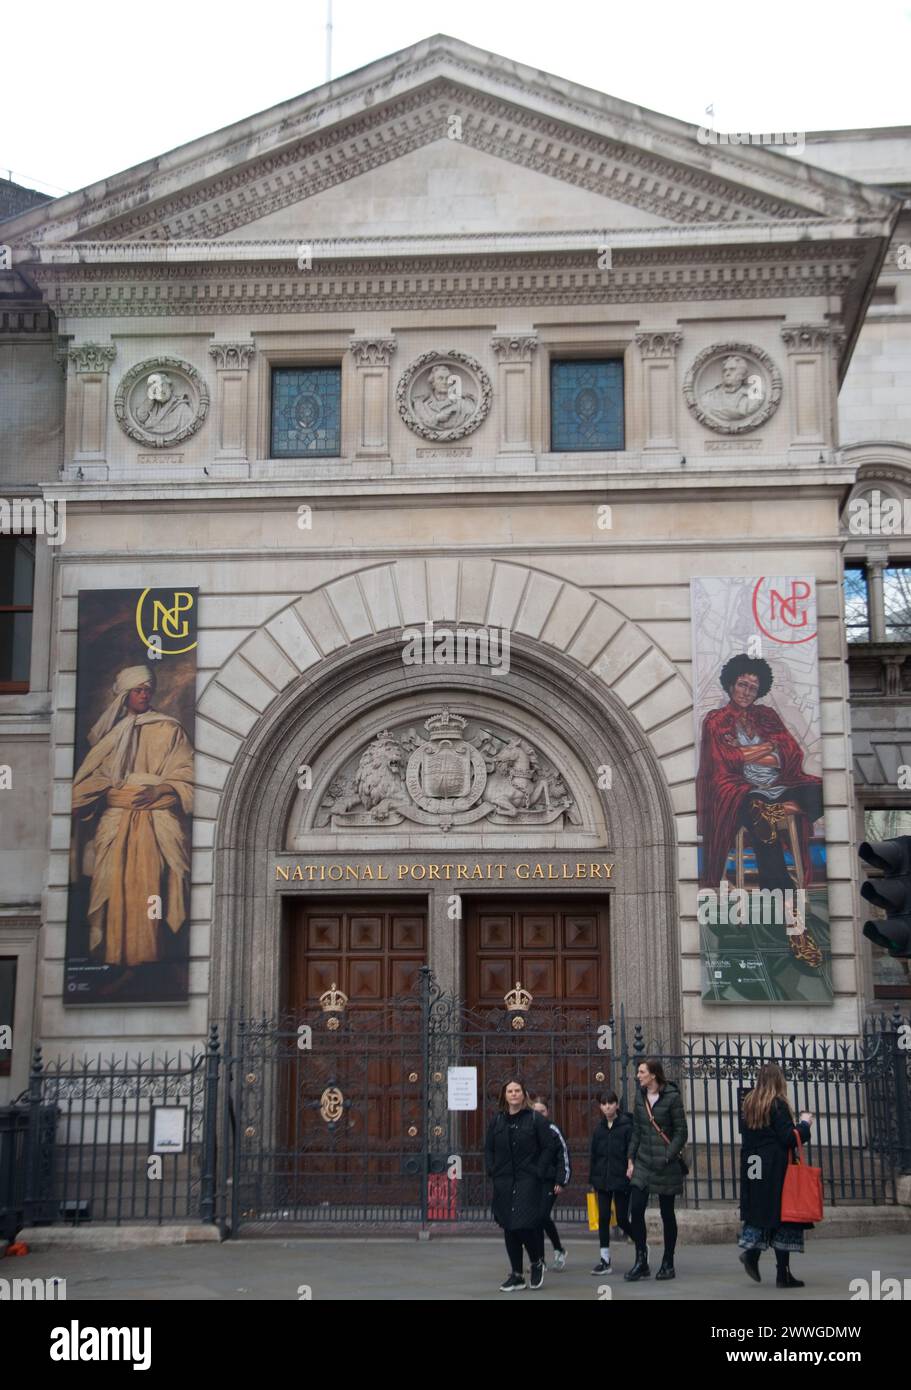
{"points": [[659, 1134]]}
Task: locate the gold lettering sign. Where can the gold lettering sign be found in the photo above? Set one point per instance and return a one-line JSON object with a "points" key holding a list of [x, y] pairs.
{"points": [[542, 871]]}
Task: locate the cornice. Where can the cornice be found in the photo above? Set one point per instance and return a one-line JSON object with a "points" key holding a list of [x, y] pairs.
{"points": [[434, 284]]}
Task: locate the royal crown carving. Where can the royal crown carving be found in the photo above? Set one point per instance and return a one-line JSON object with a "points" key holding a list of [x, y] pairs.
{"points": [[456, 772], [443, 395], [733, 387], [161, 402]]}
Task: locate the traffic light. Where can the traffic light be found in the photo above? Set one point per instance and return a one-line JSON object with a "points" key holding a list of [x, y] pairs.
{"points": [[892, 892]]}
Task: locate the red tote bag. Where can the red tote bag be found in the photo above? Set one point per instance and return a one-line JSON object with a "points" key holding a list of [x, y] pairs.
{"points": [[801, 1196]]}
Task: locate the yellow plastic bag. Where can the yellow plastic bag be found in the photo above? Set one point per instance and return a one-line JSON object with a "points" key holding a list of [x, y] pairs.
{"points": [[592, 1201]]}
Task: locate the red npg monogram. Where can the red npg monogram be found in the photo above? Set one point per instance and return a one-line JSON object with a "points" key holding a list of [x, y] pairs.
{"points": [[777, 611]]}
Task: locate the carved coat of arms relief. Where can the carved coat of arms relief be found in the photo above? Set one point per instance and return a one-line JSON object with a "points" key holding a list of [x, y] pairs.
{"points": [[455, 775]]}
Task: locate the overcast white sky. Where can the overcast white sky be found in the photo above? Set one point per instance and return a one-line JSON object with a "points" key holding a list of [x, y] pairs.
{"points": [[102, 87]]}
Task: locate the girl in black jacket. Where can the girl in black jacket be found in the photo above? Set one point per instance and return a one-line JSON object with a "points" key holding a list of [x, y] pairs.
{"points": [[768, 1136], [558, 1177], [607, 1171], [520, 1150]]}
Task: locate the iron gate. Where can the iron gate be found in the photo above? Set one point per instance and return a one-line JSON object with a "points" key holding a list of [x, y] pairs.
{"points": [[344, 1116]]}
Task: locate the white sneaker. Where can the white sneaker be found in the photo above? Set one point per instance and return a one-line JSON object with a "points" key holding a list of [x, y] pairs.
{"points": [[559, 1259]]}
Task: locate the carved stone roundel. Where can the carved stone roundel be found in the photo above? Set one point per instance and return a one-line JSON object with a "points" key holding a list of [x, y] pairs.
{"points": [[733, 387], [443, 395], [161, 402]]}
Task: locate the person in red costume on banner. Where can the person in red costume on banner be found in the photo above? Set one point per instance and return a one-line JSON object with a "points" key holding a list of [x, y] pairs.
{"points": [[751, 775]]}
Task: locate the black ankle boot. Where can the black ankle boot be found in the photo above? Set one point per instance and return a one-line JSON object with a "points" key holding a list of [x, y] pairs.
{"points": [[640, 1269], [750, 1261], [667, 1270], [784, 1279]]}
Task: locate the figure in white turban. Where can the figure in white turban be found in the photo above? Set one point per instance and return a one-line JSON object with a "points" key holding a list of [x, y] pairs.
{"points": [[134, 790]]}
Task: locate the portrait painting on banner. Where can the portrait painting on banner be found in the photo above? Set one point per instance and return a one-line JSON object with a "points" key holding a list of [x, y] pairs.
{"points": [[762, 902], [128, 917]]}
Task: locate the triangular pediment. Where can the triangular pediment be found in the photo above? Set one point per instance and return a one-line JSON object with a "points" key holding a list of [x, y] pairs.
{"points": [[444, 138]]}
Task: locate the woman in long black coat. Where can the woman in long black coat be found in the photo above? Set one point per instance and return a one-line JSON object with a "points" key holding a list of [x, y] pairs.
{"points": [[769, 1135], [521, 1149]]}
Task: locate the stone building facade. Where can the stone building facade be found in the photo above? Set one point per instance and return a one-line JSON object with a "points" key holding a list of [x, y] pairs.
{"points": [[444, 232]]}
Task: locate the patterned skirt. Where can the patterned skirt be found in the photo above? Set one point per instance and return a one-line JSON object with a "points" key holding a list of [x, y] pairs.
{"points": [[785, 1237]]}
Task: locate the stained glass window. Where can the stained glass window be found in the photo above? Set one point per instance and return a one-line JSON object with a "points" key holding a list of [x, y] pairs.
{"points": [[586, 405], [306, 412]]}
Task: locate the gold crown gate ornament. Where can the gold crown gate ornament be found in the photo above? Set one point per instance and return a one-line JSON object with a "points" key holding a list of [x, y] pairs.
{"points": [[518, 1001], [333, 1002]]}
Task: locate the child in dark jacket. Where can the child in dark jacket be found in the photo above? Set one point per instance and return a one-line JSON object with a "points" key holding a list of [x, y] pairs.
{"points": [[607, 1172], [557, 1178]]}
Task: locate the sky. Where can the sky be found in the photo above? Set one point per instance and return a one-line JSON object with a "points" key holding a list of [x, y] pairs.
{"points": [[98, 89]]}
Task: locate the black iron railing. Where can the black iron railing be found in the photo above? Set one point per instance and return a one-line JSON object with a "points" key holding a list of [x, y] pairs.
{"points": [[346, 1117]]}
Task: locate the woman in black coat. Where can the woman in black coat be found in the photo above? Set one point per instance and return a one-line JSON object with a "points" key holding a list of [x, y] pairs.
{"points": [[520, 1150], [769, 1133], [607, 1171]]}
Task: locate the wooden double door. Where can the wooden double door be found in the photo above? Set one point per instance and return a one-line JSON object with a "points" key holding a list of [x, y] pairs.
{"points": [[366, 1143]]}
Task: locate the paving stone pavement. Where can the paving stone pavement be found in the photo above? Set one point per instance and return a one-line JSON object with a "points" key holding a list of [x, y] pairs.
{"points": [[465, 1269]]}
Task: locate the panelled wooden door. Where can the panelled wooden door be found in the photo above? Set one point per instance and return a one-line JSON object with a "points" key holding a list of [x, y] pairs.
{"points": [[559, 951], [372, 952]]}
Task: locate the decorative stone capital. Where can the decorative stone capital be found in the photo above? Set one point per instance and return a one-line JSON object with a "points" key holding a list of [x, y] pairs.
{"points": [[92, 357], [372, 352], [810, 337], [232, 355], [514, 347], [659, 344]]}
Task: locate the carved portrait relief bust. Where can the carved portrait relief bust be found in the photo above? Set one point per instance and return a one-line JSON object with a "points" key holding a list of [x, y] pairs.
{"points": [[443, 395], [733, 387], [161, 402]]}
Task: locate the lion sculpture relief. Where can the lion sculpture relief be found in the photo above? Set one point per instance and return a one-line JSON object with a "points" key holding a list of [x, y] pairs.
{"points": [[379, 783]]}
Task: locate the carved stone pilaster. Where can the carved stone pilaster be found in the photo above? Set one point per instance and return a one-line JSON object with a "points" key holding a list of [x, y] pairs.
{"points": [[372, 358], [658, 345], [808, 337], [658, 352], [92, 357], [514, 347], [87, 400], [232, 374], [812, 357], [514, 353], [228, 356], [372, 352]]}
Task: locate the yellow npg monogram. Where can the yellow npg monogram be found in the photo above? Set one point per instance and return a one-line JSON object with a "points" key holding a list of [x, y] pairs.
{"points": [[167, 622]]}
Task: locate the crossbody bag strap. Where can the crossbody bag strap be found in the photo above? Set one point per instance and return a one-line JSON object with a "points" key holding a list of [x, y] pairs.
{"points": [[655, 1124]]}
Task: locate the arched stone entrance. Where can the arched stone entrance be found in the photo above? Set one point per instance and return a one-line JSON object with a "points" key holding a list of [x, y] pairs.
{"points": [[547, 696]]}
